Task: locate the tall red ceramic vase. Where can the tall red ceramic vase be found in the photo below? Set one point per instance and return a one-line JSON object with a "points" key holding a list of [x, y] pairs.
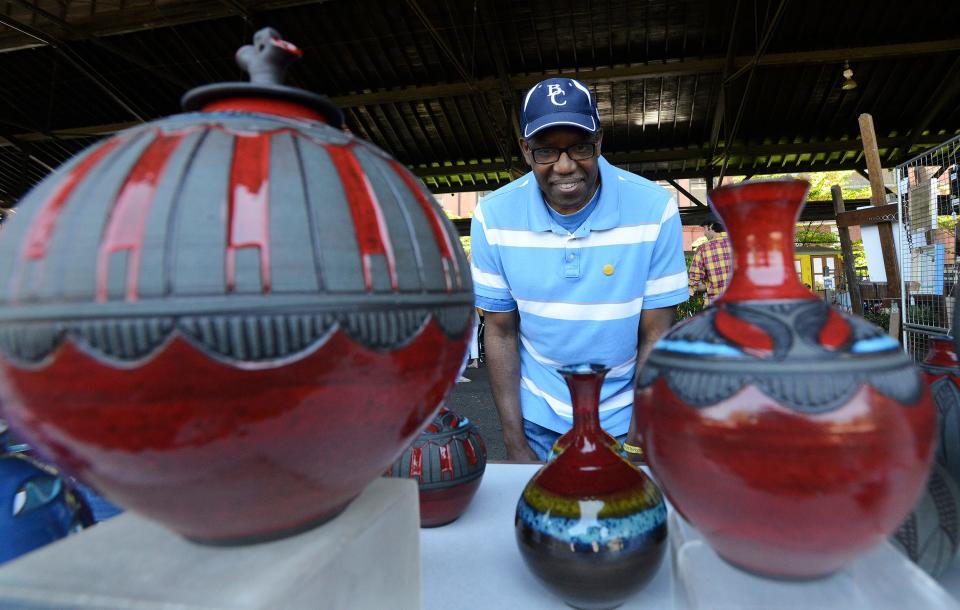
{"points": [[793, 436]]}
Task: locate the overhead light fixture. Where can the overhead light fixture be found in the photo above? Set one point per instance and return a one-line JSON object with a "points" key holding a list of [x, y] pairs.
{"points": [[848, 82]]}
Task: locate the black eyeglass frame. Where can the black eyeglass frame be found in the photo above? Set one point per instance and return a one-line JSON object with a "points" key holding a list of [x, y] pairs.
{"points": [[559, 151]]}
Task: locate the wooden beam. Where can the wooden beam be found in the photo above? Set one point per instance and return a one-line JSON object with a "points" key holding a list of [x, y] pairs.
{"points": [[867, 216], [864, 173], [685, 192], [669, 68], [846, 249], [878, 198]]}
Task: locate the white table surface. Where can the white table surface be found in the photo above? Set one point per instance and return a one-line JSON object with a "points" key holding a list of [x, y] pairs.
{"points": [[474, 563]]}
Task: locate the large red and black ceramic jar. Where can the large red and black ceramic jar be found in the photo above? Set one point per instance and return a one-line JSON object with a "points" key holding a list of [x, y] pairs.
{"points": [[201, 316], [792, 435]]}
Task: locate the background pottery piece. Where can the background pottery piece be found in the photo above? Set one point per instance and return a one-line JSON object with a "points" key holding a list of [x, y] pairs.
{"points": [[931, 534], [590, 525], [447, 460], [200, 316], [941, 370], [792, 435]]}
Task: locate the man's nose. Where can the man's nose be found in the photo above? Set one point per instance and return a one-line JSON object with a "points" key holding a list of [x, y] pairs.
{"points": [[564, 165]]}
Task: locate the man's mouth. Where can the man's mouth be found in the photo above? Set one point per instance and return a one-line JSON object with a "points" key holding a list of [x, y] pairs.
{"points": [[567, 187]]}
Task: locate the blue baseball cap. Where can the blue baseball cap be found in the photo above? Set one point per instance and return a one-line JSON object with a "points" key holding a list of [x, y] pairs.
{"points": [[558, 101]]}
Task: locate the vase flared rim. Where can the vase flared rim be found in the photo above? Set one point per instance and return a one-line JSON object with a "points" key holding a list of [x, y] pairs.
{"points": [[584, 368]]}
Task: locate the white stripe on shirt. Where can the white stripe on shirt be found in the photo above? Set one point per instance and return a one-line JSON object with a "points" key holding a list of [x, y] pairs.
{"points": [[620, 370], [491, 280], [582, 311], [667, 283], [514, 238], [564, 409]]}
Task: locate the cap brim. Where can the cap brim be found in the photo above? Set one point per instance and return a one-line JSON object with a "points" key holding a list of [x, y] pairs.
{"points": [[585, 122]]}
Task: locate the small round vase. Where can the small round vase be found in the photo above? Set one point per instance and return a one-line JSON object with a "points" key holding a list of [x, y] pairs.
{"points": [[590, 525], [941, 370], [447, 460], [791, 435]]}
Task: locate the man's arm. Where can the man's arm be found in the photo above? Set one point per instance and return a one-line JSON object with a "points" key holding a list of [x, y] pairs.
{"points": [[697, 274], [653, 324], [503, 363]]}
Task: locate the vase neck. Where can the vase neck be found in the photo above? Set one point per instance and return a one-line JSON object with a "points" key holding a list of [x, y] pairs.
{"points": [[584, 382], [760, 218]]}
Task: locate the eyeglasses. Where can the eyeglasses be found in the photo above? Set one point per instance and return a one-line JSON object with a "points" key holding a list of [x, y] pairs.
{"points": [[577, 152]]}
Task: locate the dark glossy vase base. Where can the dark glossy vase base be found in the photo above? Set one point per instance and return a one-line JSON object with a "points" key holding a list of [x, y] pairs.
{"points": [[590, 581], [279, 534], [442, 506]]}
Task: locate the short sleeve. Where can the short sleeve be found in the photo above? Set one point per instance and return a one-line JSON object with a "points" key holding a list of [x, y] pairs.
{"points": [[667, 278], [489, 285]]}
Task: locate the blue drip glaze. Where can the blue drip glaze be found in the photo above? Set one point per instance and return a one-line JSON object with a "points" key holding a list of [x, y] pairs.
{"points": [[876, 344], [700, 348], [632, 529]]}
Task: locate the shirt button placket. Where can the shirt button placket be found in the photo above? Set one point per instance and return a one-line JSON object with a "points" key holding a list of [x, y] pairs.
{"points": [[571, 260]]}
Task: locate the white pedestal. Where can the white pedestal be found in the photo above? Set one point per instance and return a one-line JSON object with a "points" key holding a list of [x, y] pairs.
{"points": [[878, 580], [366, 558]]}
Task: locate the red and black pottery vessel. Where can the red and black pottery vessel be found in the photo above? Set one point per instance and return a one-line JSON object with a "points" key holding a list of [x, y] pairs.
{"points": [[591, 526], [792, 435], [941, 369], [201, 315], [447, 460]]}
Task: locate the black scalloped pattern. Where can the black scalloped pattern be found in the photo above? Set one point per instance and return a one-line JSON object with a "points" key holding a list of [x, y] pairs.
{"points": [[806, 393], [245, 338], [794, 327]]}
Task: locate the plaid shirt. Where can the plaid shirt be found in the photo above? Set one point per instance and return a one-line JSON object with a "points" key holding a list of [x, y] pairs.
{"points": [[712, 264]]}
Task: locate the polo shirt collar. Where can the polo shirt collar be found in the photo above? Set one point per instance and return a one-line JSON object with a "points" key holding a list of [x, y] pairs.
{"points": [[605, 216]]}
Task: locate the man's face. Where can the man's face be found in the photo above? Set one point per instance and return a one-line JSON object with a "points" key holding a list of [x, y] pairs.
{"points": [[708, 232], [567, 185]]}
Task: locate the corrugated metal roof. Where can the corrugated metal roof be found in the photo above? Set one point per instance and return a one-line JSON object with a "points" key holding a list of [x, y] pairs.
{"points": [[437, 82]]}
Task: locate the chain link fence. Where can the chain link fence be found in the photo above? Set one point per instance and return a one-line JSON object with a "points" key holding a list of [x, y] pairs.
{"points": [[929, 198]]}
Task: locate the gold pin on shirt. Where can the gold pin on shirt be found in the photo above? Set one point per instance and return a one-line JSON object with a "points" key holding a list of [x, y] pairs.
{"points": [[608, 269]]}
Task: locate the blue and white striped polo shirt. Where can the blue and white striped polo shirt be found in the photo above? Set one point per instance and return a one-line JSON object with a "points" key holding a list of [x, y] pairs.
{"points": [[579, 295]]}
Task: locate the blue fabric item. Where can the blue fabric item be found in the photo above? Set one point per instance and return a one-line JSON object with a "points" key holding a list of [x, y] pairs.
{"points": [[572, 222], [579, 295], [558, 101]]}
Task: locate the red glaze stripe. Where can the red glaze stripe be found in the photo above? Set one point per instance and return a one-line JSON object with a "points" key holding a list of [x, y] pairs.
{"points": [[750, 337], [42, 228], [471, 452], [282, 108], [439, 233], [446, 461], [371, 228], [248, 211], [416, 463], [128, 220], [835, 332]]}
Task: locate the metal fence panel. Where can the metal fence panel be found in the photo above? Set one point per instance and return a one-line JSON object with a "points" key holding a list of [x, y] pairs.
{"points": [[929, 198]]}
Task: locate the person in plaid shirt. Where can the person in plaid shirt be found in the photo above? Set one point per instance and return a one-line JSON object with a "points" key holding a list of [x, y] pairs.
{"points": [[712, 264]]}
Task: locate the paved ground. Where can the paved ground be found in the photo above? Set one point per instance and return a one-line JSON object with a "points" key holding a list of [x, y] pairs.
{"points": [[475, 401]]}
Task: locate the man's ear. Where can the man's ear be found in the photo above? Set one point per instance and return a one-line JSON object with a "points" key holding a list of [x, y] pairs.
{"points": [[525, 150], [598, 141]]}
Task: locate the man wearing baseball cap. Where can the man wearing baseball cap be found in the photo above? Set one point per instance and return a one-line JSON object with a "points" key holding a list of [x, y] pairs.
{"points": [[577, 261]]}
